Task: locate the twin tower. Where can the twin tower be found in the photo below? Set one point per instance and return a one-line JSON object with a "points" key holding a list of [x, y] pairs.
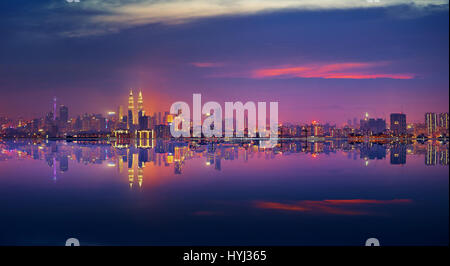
{"points": [[133, 117]]}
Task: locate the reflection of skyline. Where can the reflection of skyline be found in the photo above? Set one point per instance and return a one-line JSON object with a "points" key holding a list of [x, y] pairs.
{"points": [[323, 184], [133, 158]]}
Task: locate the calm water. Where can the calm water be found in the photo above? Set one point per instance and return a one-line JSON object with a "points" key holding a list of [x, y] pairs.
{"points": [[174, 193]]}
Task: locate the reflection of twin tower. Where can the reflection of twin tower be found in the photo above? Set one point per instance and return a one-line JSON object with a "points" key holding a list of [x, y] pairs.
{"points": [[132, 117], [135, 168]]}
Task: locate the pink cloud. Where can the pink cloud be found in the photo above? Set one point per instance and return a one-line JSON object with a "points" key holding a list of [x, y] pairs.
{"points": [[348, 70], [338, 207]]}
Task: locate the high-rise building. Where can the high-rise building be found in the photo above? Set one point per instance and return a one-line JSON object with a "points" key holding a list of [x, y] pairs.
{"points": [[143, 122], [443, 120], [130, 110], [63, 114], [63, 118], [120, 114], [373, 126], [431, 122], [140, 103], [54, 108], [398, 124]]}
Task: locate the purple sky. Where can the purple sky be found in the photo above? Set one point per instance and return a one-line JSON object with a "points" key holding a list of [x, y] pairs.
{"points": [[327, 63]]}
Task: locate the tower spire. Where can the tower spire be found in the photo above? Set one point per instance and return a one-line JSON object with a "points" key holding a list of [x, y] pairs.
{"points": [[140, 102], [131, 116], [131, 100], [54, 108]]}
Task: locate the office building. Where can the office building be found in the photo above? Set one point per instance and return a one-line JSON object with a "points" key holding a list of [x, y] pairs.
{"points": [[398, 124]]}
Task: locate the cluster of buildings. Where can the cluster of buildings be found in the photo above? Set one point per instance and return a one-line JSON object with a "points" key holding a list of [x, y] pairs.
{"points": [[136, 123], [434, 126], [57, 123]]}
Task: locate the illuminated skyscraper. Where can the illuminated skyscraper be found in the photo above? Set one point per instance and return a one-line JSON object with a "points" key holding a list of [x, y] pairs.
{"points": [[443, 120], [120, 114], [130, 110], [54, 108], [431, 122], [63, 114], [398, 124], [142, 118], [140, 103]]}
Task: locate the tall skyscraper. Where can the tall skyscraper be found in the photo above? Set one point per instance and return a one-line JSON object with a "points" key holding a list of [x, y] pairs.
{"points": [[140, 103], [63, 114], [54, 108], [120, 114], [142, 118], [443, 120], [130, 110], [398, 124], [63, 117], [431, 122]]}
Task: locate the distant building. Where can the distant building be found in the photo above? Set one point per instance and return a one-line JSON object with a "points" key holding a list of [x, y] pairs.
{"points": [[373, 126], [63, 114], [431, 122], [443, 121], [398, 124], [143, 122], [130, 110], [420, 129]]}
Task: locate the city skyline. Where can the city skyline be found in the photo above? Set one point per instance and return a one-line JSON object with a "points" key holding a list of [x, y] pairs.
{"points": [[254, 125], [56, 103]]}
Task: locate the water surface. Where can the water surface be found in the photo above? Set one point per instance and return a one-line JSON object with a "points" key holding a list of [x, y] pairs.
{"points": [[180, 193]]}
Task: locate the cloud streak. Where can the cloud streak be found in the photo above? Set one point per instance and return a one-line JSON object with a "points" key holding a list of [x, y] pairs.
{"points": [[113, 15], [348, 70]]}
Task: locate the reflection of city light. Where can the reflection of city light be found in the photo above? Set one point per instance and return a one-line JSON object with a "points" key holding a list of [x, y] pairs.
{"points": [[111, 164], [314, 155], [367, 163]]}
